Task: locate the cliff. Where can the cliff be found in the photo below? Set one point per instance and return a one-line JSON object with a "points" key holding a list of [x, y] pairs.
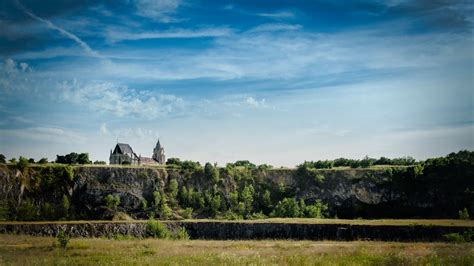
{"points": [[65, 192]]}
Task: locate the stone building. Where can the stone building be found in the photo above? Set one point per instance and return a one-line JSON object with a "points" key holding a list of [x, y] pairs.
{"points": [[123, 154]]}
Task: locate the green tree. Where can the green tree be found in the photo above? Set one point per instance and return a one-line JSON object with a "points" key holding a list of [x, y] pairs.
{"points": [[22, 164], [13, 160], [43, 161], [66, 205], [211, 172], [31, 160], [173, 189], [247, 197], [3, 158], [83, 158], [184, 197], [288, 207]]}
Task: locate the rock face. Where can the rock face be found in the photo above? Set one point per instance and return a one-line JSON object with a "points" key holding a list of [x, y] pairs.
{"points": [[349, 193], [236, 230]]}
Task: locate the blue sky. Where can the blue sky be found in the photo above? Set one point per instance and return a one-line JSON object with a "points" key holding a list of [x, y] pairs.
{"points": [[274, 82]]}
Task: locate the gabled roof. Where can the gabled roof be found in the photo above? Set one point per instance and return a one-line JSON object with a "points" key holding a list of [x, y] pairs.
{"points": [[123, 148]]}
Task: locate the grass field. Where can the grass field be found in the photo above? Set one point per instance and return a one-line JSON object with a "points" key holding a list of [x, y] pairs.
{"points": [[26, 250], [394, 222]]}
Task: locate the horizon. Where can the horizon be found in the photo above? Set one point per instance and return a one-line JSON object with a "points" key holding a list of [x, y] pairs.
{"points": [[278, 82]]}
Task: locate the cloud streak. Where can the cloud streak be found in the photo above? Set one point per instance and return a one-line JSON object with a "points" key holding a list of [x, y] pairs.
{"points": [[89, 51]]}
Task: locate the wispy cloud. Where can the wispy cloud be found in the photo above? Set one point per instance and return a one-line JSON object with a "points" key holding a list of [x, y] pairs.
{"points": [[159, 10], [275, 27], [66, 33], [120, 101], [279, 14], [46, 134], [117, 34]]}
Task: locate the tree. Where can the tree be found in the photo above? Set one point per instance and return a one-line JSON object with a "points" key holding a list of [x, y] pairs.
{"points": [[13, 160], [288, 207], [83, 158], [100, 162], [247, 197], [173, 161], [211, 172], [31, 160], [2, 158], [245, 163], [43, 161], [173, 190], [22, 163]]}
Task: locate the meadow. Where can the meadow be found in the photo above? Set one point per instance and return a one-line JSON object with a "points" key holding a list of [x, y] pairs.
{"points": [[23, 250]]}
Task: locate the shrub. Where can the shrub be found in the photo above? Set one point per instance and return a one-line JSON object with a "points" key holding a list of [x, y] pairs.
{"points": [[464, 214], [187, 213], [288, 207], [112, 201], [181, 234], [317, 210], [43, 161], [211, 172], [454, 237], [22, 164], [318, 179], [156, 229], [62, 239]]}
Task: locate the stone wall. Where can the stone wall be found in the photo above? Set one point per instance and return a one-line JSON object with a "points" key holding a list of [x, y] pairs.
{"points": [[240, 230]]}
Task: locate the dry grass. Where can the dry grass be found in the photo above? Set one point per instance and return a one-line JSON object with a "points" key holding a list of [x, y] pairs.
{"points": [[25, 250], [388, 222]]}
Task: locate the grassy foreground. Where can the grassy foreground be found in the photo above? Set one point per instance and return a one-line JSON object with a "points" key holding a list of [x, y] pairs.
{"points": [[26, 250]]}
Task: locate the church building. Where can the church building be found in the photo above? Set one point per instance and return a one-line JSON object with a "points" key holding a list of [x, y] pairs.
{"points": [[124, 154]]}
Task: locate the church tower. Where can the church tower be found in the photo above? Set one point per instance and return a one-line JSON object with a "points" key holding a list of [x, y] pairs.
{"points": [[159, 153]]}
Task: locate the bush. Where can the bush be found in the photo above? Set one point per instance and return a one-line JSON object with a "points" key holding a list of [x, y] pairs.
{"points": [[22, 164], [187, 213], [156, 229], [43, 161], [62, 239], [112, 201], [317, 210], [181, 234], [464, 214], [454, 237], [288, 207]]}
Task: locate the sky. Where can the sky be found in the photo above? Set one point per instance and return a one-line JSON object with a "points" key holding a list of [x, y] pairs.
{"points": [[276, 82]]}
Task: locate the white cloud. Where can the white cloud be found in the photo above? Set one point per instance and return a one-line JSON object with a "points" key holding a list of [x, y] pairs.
{"points": [[103, 129], [116, 35], [256, 103], [13, 76], [275, 27], [160, 10], [279, 14], [120, 101], [46, 134]]}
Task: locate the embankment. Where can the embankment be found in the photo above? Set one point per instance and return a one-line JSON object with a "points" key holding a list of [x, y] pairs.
{"points": [[228, 230]]}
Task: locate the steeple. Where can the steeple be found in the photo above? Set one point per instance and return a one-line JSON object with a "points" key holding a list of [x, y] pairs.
{"points": [[159, 153]]}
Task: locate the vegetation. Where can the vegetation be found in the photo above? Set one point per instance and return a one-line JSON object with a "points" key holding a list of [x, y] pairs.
{"points": [[363, 163], [112, 201], [23, 250], [73, 158], [3, 158], [63, 239], [464, 214], [442, 187], [157, 229]]}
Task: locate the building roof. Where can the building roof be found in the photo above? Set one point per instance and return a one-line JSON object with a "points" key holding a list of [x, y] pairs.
{"points": [[123, 148], [147, 160]]}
